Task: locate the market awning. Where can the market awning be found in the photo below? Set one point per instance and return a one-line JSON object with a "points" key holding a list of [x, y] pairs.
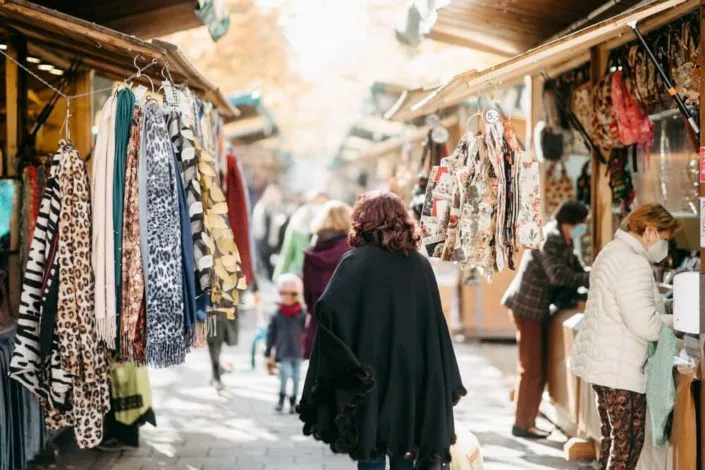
{"points": [[111, 53], [143, 18], [569, 49], [508, 27]]}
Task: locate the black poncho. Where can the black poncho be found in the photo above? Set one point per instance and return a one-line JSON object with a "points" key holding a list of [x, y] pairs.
{"points": [[383, 377]]}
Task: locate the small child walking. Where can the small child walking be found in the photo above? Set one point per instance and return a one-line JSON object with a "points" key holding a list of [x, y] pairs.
{"points": [[286, 329]]}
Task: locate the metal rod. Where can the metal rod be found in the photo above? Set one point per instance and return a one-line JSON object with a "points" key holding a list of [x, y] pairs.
{"points": [[672, 90]]}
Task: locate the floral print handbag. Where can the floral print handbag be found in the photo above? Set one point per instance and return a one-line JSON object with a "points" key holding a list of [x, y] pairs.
{"points": [[559, 188]]}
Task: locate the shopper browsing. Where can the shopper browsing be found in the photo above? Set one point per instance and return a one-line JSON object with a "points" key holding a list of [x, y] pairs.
{"points": [[624, 313], [285, 333], [547, 276]]}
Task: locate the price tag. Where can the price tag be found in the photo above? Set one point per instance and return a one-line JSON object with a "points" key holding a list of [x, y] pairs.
{"points": [[492, 116], [440, 135], [140, 91]]}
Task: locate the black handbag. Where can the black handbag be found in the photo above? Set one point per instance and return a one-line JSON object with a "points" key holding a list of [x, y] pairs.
{"points": [[552, 144]]}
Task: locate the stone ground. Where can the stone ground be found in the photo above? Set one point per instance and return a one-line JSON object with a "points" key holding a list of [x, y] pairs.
{"points": [[200, 429]]}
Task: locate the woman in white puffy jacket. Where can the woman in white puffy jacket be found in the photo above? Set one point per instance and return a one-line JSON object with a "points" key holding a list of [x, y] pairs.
{"points": [[623, 314]]}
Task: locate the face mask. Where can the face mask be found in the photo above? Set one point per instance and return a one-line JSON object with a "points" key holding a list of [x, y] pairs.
{"points": [[658, 251], [578, 231]]}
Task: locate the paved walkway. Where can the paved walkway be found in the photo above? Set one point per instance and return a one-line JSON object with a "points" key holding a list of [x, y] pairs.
{"points": [[199, 429]]}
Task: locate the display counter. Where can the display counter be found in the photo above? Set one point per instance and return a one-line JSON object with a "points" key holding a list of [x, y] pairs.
{"points": [[571, 403]]}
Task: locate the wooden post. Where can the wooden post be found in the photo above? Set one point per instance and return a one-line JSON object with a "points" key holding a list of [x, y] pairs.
{"points": [[601, 194], [82, 113]]}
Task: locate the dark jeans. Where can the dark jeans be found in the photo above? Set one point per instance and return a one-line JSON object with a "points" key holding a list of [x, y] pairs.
{"points": [[379, 464]]}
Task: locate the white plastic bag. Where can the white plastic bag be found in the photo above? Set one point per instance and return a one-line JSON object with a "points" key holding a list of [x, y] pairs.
{"points": [[466, 452]]}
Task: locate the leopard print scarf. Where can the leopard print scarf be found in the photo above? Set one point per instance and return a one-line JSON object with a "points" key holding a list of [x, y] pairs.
{"points": [[72, 383], [160, 231]]}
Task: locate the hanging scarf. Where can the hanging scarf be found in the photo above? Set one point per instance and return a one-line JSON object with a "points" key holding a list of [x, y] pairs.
{"points": [[32, 196], [83, 356], [72, 383], [182, 140], [189, 279], [239, 214], [161, 241], [132, 315], [27, 366], [123, 123], [103, 237], [227, 276]]}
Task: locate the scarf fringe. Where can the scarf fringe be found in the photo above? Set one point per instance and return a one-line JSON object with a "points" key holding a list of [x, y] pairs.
{"points": [[107, 331], [165, 353]]}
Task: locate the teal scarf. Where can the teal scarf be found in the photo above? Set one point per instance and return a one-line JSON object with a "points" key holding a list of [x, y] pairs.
{"points": [[123, 123]]}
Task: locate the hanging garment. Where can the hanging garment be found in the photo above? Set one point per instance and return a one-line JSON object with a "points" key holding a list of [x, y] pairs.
{"points": [[83, 355], [22, 431], [239, 214], [660, 386], [32, 196], [183, 144], [160, 234], [102, 240], [72, 384], [456, 164], [686, 64], [27, 366], [130, 393], [529, 223], [124, 111], [633, 122], [132, 315], [227, 276], [187, 267]]}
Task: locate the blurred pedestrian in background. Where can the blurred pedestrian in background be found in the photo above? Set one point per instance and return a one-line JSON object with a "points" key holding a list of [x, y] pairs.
{"points": [[550, 272], [298, 235], [284, 337], [263, 215], [330, 231]]}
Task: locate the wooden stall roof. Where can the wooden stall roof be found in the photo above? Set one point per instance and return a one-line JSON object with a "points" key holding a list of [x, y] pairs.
{"points": [[142, 18], [569, 49], [510, 27], [53, 34]]}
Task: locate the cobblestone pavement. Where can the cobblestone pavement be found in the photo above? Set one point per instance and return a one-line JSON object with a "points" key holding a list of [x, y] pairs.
{"points": [[200, 429]]}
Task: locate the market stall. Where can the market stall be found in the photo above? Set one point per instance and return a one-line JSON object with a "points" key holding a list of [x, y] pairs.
{"points": [[653, 160], [66, 85]]}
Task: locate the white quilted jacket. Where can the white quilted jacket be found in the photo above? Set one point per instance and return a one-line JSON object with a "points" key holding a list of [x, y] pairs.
{"points": [[623, 314]]}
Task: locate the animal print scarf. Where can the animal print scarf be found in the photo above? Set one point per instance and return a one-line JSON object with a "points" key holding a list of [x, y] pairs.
{"points": [[72, 383], [160, 231]]}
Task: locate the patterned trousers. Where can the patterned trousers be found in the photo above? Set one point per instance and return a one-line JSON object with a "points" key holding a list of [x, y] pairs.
{"points": [[623, 416]]}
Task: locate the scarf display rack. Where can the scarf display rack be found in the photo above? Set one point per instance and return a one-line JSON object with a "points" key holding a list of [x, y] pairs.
{"points": [[134, 262]]}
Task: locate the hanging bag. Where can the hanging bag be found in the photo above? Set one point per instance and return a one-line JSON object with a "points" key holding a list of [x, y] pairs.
{"points": [[633, 123], [686, 64], [605, 128], [559, 188], [583, 185]]}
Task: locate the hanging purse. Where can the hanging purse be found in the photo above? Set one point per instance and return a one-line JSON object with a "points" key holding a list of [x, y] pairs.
{"points": [[621, 181], [583, 192], [633, 123], [558, 188], [605, 128]]}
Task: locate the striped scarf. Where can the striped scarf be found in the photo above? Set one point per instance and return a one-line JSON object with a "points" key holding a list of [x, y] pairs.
{"points": [[160, 233]]}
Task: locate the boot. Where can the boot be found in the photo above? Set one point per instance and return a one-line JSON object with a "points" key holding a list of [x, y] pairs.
{"points": [[292, 403], [280, 404]]}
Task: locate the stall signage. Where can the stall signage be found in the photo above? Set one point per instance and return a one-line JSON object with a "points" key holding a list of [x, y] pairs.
{"points": [[702, 165]]}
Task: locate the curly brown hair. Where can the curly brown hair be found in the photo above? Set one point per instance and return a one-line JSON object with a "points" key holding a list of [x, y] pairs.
{"points": [[380, 219]]}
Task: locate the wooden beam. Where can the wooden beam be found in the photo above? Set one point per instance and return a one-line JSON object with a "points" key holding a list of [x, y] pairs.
{"points": [[602, 230], [465, 38], [82, 113], [548, 54]]}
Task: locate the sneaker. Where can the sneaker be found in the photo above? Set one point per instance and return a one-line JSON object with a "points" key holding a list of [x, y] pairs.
{"points": [[110, 445], [218, 385]]}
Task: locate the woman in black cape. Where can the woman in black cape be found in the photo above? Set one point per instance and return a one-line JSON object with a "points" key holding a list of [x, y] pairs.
{"points": [[383, 377]]}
